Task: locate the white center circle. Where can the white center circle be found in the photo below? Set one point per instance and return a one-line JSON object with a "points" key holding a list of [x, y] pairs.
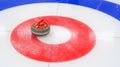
{"points": [[56, 35]]}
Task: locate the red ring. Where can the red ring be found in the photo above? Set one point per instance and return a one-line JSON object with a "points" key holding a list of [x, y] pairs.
{"points": [[81, 42]]}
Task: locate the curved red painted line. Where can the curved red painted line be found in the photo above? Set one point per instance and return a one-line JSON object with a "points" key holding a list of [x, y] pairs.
{"points": [[81, 42]]}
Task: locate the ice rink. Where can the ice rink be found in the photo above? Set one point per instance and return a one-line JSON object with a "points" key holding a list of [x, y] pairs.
{"points": [[84, 33]]}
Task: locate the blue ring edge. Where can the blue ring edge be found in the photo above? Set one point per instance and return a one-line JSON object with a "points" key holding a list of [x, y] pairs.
{"points": [[101, 5]]}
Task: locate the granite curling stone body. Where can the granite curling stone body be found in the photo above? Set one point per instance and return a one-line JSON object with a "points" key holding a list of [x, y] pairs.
{"points": [[40, 28]]}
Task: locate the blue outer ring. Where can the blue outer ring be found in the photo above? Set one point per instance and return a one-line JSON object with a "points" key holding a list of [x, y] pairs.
{"points": [[101, 5]]}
